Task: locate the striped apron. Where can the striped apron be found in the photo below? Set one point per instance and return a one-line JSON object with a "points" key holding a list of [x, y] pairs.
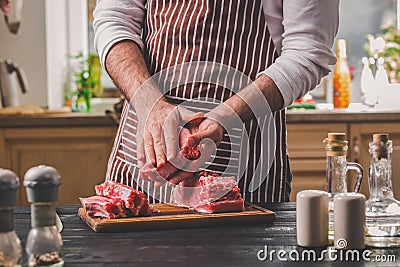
{"points": [[233, 33]]}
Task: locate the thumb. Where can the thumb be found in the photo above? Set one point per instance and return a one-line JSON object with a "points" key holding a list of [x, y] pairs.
{"points": [[190, 116], [195, 139]]}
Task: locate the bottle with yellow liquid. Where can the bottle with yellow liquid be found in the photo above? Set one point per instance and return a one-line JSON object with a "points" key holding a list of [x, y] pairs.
{"points": [[341, 77]]}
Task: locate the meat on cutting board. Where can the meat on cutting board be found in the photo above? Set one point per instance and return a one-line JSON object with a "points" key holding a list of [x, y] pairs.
{"points": [[148, 171], [115, 200], [104, 207], [132, 199], [210, 193]]}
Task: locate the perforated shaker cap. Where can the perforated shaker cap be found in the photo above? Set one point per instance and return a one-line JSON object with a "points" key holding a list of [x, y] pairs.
{"points": [[42, 184], [9, 184]]}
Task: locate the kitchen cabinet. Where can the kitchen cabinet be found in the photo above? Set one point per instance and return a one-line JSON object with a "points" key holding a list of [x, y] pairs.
{"points": [[307, 154], [80, 154]]}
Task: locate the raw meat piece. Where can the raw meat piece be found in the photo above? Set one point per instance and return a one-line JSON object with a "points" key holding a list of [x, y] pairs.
{"points": [[209, 192], [98, 206], [222, 206], [148, 171], [133, 200]]}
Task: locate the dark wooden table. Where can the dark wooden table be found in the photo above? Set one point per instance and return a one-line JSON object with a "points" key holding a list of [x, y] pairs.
{"points": [[219, 246]]}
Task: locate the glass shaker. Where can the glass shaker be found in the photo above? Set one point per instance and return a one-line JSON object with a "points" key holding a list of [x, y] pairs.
{"points": [[10, 245], [382, 209], [336, 170], [44, 243]]}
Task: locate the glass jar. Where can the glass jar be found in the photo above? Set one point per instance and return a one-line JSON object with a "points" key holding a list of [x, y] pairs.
{"points": [[382, 209]]}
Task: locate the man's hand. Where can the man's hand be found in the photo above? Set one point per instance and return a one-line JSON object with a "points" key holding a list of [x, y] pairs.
{"points": [[157, 132], [211, 132], [5, 6]]}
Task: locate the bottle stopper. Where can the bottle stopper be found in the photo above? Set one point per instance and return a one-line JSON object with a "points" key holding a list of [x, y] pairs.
{"points": [[336, 144], [312, 218], [380, 141], [349, 221], [42, 184]]}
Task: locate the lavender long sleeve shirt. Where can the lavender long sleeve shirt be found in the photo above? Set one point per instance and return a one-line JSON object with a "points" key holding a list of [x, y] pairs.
{"points": [[303, 32]]}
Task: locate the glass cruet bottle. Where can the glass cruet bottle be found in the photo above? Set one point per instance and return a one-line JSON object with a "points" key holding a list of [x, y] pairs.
{"points": [[336, 170], [44, 243], [10, 245], [337, 166], [382, 209]]}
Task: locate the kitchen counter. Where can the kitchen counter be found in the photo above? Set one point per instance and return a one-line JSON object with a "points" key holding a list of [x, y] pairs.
{"points": [[218, 246], [346, 116], [99, 118], [73, 119]]}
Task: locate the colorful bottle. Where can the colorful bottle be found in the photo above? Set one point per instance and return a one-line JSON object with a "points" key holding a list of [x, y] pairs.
{"points": [[341, 77]]}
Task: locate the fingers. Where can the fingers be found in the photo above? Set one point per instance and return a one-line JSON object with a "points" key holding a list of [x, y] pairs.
{"points": [[207, 150], [140, 151], [159, 150], [149, 148], [189, 116], [180, 176], [170, 132], [196, 138]]}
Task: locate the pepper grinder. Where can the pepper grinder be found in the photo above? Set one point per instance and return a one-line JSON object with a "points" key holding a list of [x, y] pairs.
{"points": [[10, 245], [44, 243]]}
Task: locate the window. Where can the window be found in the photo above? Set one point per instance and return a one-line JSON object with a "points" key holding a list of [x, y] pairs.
{"points": [[109, 88]]}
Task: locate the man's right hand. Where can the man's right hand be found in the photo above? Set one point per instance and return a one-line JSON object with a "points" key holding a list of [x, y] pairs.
{"points": [[157, 132]]}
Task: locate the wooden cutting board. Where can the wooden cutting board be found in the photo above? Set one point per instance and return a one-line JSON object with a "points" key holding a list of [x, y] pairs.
{"points": [[31, 109], [174, 217]]}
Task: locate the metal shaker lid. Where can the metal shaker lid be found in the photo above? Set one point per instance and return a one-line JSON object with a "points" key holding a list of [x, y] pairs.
{"points": [[42, 184], [9, 184]]}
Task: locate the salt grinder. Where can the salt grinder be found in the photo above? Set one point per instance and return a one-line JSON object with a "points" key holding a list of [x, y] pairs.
{"points": [[312, 218], [349, 215], [10, 245], [44, 243]]}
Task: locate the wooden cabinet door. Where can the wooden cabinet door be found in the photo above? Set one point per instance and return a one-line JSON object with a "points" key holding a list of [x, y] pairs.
{"points": [[307, 154], [79, 154], [361, 135]]}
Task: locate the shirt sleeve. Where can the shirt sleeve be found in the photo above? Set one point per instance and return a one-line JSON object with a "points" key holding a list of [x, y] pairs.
{"points": [[117, 20], [309, 30]]}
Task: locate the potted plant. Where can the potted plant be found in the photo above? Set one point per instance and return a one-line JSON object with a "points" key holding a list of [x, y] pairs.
{"points": [[87, 80]]}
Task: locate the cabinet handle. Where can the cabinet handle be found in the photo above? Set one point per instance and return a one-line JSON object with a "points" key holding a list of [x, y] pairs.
{"points": [[356, 150]]}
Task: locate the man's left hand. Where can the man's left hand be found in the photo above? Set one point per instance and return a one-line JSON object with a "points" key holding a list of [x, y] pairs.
{"points": [[210, 131]]}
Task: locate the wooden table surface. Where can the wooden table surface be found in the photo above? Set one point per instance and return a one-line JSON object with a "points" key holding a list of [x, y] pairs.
{"points": [[218, 246]]}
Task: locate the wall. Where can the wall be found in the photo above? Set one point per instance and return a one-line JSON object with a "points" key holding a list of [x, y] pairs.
{"points": [[50, 31], [28, 49], [357, 19]]}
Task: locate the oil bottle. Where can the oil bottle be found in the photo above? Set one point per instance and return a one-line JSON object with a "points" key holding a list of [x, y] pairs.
{"points": [[341, 77]]}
